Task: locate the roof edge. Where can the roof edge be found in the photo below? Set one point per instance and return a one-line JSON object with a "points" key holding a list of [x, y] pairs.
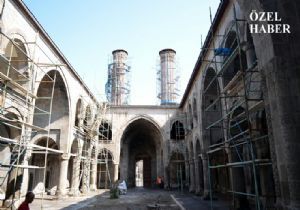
{"points": [[51, 43], [198, 64]]}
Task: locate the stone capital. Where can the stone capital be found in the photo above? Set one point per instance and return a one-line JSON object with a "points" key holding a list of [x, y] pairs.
{"points": [[65, 156]]}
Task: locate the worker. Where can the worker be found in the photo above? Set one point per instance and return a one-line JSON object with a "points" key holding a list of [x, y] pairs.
{"points": [[28, 199], [158, 181]]}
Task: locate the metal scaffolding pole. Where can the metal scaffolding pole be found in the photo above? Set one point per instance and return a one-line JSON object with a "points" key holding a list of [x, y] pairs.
{"points": [[241, 143]]}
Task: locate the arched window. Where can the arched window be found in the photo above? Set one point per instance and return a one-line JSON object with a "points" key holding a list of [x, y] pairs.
{"points": [[177, 131], [234, 66], [105, 131]]}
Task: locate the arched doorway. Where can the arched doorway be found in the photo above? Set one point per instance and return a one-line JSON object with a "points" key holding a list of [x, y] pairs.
{"points": [[141, 140], [104, 169], [177, 170], [11, 130], [211, 109], [238, 130], [212, 131], [60, 104], [38, 181]]}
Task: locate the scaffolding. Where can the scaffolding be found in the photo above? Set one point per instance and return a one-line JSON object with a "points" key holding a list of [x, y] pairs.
{"points": [[117, 87], [104, 174], [176, 156], [104, 158], [18, 108], [242, 151], [97, 131], [167, 77], [21, 105]]}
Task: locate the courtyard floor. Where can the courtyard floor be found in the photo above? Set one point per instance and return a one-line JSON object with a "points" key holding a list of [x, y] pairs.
{"points": [[135, 199]]}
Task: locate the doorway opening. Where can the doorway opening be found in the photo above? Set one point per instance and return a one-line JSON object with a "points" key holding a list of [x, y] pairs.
{"points": [[139, 175]]}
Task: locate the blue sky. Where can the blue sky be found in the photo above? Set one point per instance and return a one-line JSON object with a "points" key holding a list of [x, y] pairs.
{"points": [[88, 31]]}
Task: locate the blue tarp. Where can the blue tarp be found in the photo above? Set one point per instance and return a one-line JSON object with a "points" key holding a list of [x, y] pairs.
{"points": [[223, 51]]}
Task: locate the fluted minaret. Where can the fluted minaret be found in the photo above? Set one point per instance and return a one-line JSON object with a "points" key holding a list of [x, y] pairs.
{"points": [[117, 86], [167, 75]]}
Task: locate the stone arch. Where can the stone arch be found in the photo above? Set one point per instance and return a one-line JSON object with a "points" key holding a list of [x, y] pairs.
{"points": [[60, 113], [272, 55], [10, 126], [141, 140], [138, 117], [16, 53], [212, 132], [211, 109], [231, 43]]}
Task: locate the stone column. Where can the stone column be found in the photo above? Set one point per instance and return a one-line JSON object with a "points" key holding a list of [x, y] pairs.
{"points": [[25, 180], [250, 53], [85, 188], [115, 173], [63, 175], [197, 176], [192, 176], [75, 178], [123, 163], [93, 175], [205, 177], [187, 172]]}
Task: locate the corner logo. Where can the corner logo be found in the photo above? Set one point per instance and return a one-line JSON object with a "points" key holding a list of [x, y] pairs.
{"points": [[267, 23]]}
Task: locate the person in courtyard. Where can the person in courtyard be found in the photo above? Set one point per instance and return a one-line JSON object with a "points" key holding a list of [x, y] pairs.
{"points": [[28, 199], [158, 181]]}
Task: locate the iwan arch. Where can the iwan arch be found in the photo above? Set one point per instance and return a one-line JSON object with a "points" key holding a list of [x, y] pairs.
{"points": [[239, 112]]}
